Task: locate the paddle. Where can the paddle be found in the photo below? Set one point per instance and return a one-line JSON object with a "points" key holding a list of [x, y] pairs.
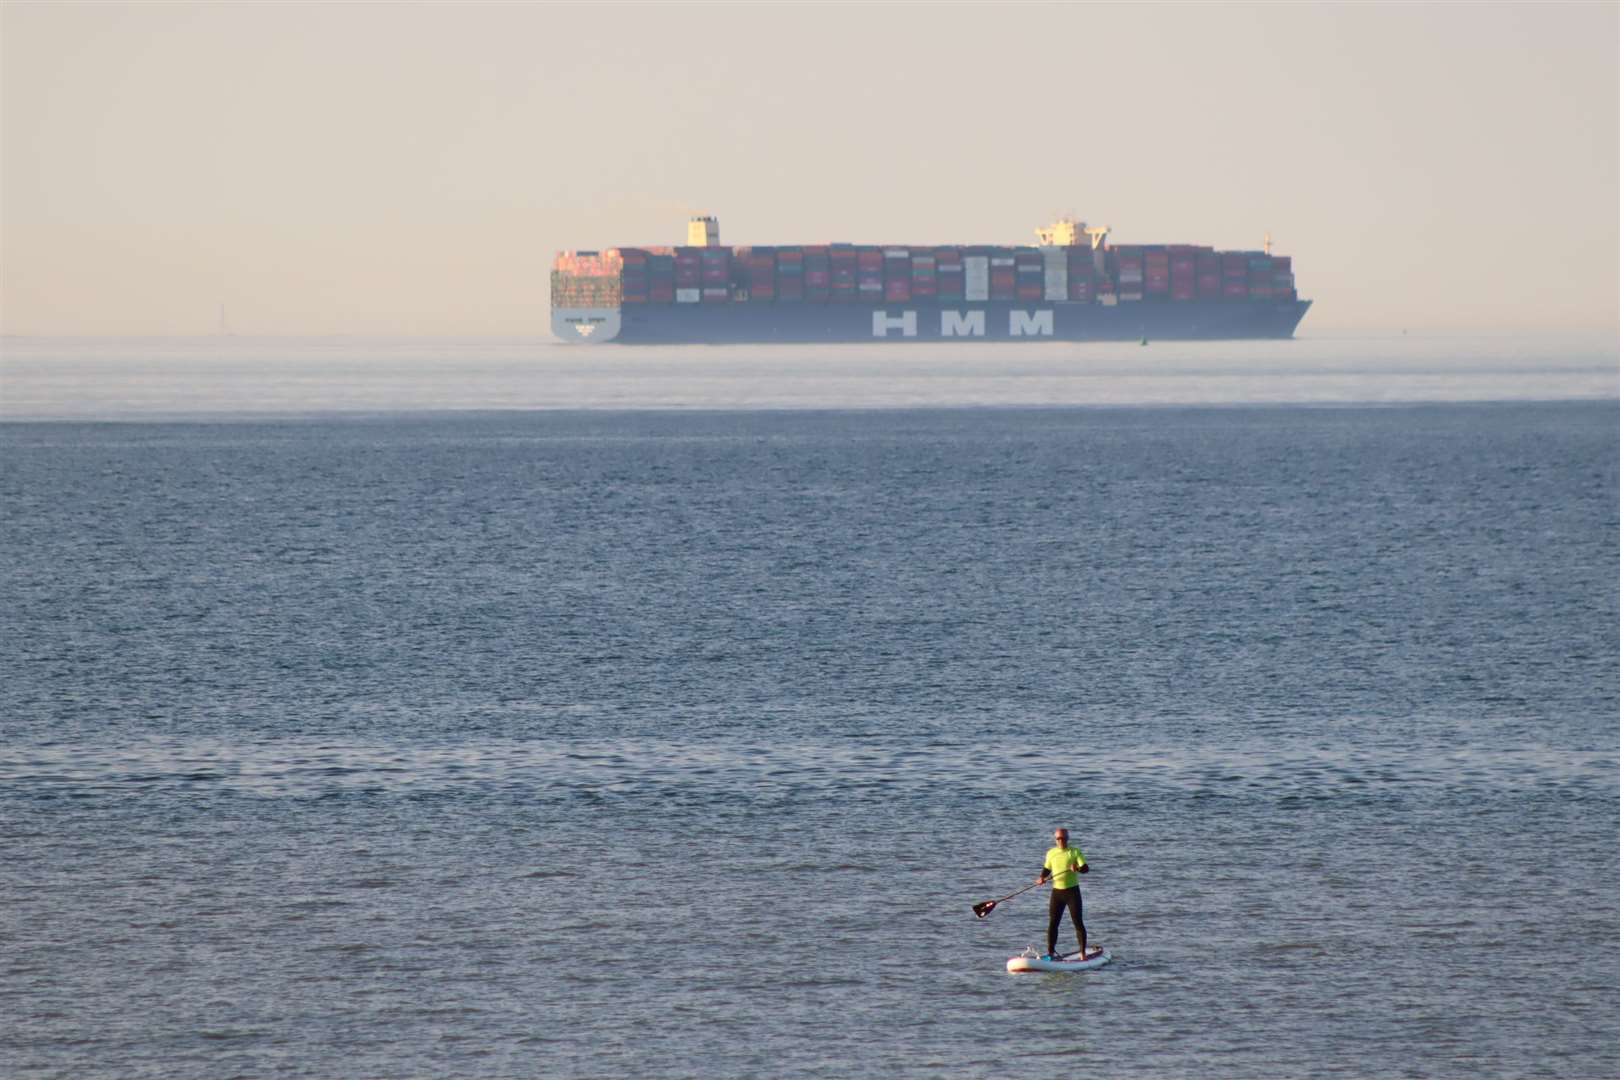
{"points": [[985, 907]]}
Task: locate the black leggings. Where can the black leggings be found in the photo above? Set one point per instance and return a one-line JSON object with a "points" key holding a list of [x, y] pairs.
{"points": [[1064, 898]]}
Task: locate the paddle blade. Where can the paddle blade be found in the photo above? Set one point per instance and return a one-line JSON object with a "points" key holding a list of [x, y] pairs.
{"points": [[984, 907]]}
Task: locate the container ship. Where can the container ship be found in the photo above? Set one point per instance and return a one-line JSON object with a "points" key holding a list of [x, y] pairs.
{"points": [[1073, 285]]}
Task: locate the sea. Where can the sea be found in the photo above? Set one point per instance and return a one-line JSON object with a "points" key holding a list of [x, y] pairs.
{"points": [[382, 708]]}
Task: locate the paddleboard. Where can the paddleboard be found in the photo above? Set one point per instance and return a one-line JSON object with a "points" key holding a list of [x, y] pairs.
{"points": [[1030, 960]]}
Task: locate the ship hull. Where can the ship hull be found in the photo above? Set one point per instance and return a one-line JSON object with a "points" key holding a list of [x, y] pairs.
{"points": [[740, 323]]}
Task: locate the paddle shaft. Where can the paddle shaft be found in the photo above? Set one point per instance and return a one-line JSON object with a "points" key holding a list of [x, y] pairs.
{"points": [[1022, 891]]}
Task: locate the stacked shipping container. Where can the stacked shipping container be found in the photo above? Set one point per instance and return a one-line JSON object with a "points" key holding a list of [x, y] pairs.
{"points": [[1004, 276], [845, 265], [586, 279], [948, 275], [817, 274], [1282, 278], [633, 279], [1128, 272], [896, 275], [924, 274], [869, 275], [716, 273], [688, 275], [1234, 275], [1207, 267]]}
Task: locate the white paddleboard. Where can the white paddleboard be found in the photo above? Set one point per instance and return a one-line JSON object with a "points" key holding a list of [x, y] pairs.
{"points": [[1031, 961]]}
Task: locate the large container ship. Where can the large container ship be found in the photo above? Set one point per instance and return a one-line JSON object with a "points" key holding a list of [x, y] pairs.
{"points": [[1073, 285]]}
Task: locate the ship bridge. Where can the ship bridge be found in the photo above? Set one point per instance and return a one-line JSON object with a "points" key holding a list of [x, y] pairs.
{"points": [[1067, 232]]}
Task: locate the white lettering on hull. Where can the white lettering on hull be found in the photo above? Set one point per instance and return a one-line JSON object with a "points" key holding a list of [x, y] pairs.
{"points": [[883, 322], [964, 324], [1028, 324], [959, 324]]}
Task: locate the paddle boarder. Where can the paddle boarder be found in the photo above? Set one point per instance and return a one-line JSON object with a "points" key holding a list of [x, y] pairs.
{"points": [[1063, 865]]}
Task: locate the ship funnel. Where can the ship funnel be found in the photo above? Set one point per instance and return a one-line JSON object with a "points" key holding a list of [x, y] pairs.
{"points": [[703, 232]]}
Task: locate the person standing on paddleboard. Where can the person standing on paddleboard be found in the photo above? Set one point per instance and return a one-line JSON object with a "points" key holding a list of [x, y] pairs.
{"points": [[1063, 865]]}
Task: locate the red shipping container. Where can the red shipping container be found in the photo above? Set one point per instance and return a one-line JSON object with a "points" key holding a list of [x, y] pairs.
{"points": [[1235, 288]]}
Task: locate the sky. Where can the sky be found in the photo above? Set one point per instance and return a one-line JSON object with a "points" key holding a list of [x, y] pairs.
{"points": [[411, 169]]}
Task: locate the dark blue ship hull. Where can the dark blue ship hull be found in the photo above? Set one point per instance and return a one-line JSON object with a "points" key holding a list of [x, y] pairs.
{"points": [[761, 323]]}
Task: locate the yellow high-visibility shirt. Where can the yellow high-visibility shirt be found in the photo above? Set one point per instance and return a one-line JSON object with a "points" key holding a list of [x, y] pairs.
{"points": [[1065, 863]]}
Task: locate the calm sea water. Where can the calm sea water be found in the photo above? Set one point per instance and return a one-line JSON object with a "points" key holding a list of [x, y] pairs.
{"points": [[576, 743]]}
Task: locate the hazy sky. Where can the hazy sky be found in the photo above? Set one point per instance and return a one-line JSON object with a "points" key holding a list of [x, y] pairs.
{"points": [[411, 169]]}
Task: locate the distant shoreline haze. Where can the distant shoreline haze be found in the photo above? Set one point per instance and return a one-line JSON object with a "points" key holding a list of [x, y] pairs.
{"points": [[138, 379]]}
